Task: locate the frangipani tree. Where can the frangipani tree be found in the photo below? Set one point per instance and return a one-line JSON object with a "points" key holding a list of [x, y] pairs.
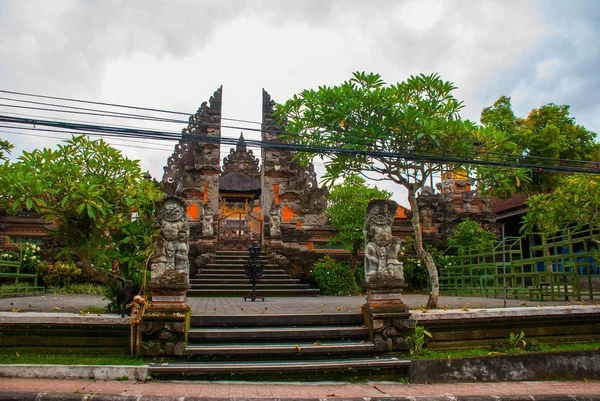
{"points": [[86, 189], [574, 202], [384, 132]]}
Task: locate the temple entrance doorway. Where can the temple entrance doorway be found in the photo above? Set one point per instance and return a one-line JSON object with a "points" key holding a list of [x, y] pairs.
{"points": [[240, 222]]}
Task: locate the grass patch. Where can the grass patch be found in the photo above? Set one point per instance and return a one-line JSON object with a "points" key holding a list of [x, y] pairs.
{"points": [[93, 310], [473, 352], [50, 359], [77, 289]]}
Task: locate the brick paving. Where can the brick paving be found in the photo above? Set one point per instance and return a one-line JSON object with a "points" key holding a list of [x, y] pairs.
{"points": [[241, 390], [281, 305], [256, 390]]}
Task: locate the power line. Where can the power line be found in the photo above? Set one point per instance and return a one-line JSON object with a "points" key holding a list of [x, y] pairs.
{"points": [[161, 149], [165, 120], [322, 150], [120, 106]]}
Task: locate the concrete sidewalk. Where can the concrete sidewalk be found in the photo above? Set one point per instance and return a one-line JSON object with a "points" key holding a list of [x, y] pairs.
{"points": [[281, 305], [44, 389]]}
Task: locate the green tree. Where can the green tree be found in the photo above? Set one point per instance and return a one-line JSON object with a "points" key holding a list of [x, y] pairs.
{"points": [[87, 189], [574, 202], [347, 210], [5, 148], [367, 117], [469, 235], [546, 135], [500, 116]]}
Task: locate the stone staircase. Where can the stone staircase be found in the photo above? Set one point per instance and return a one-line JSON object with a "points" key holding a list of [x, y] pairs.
{"points": [[280, 347], [226, 278]]}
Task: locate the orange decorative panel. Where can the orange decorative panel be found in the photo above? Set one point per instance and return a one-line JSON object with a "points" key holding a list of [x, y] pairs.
{"points": [[193, 211], [287, 213], [205, 192], [400, 214], [298, 223], [276, 193]]}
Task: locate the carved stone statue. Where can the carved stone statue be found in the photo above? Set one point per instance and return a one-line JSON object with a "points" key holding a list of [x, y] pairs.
{"points": [[381, 249], [275, 221], [171, 245], [207, 222]]}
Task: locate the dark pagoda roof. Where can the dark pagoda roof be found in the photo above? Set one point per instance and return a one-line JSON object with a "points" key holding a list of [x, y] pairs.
{"points": [[238, 182]]}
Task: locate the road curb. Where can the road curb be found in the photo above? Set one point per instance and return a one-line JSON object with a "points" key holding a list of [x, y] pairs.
{"points": [[32, 396], [98, 372]]}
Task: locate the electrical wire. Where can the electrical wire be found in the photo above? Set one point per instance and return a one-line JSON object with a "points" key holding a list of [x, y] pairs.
{"points": [[322, 150], [102, 113], [120, 106]]}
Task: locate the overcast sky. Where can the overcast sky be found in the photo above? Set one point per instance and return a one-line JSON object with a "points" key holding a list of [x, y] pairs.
{"points": [[174, 54]]}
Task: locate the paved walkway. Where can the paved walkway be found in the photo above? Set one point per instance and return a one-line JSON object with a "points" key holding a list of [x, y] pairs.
{"points": [[281, 305], [42, 389], [238, 390]]}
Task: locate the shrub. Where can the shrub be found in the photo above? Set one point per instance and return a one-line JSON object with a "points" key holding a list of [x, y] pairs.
{"points": [[470, 236], [416, 341], [516, 341], [359, 277], [27, 255], [334, 278], [416, 276], [58, 274]]}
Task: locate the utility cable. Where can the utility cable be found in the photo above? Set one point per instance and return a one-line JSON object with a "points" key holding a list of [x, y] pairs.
{"points": [[158, 119], [322, 150]]}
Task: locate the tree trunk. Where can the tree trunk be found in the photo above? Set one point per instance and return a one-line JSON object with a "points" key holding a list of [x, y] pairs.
{"points": [[86, 267], [422, 253]]}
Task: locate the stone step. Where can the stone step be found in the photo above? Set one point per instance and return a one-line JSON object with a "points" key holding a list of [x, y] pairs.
{"points": [[304, 292], [238, 260], [248, 286], [279, 319], [279, 348], [277, 333], [240, 272], [238, 266], [244, 280], [236, 255], [372, 367], [228, 276]]}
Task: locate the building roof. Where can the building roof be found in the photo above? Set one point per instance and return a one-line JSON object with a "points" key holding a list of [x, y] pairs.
{"points": [[509, 207], [238, 182]]}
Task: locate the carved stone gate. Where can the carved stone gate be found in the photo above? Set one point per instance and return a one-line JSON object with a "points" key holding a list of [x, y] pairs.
{"points": [[238, 227]]}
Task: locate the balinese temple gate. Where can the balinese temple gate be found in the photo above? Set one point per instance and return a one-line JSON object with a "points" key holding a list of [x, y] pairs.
{"points": [[235, 203]]}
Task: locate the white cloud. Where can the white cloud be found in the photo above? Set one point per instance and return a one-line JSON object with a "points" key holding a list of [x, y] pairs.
{"points": [[173, 55]]}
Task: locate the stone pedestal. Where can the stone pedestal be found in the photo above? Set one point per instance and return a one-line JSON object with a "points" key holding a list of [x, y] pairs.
{"points": [[165, 322], [164, 331], [386, 315]]}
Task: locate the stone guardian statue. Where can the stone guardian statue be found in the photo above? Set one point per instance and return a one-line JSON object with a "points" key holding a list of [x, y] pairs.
{"points": [[171, 247], [381, 248]]}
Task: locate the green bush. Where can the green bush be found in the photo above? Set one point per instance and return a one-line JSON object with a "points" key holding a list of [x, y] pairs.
{"points": [[416, 277], [58, 274], [334, 278], [26, 254], [359, 277], [470, 236]]}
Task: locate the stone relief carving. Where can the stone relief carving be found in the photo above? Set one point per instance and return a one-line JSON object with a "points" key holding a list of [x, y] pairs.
{"points": [[171, 245], [241, 160], [275, 221], [381, 249], [205, 122], [207, 222]]}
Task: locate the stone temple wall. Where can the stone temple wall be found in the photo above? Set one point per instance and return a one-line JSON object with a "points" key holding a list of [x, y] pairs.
{"points": [[192, 173], [292, 196]]}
